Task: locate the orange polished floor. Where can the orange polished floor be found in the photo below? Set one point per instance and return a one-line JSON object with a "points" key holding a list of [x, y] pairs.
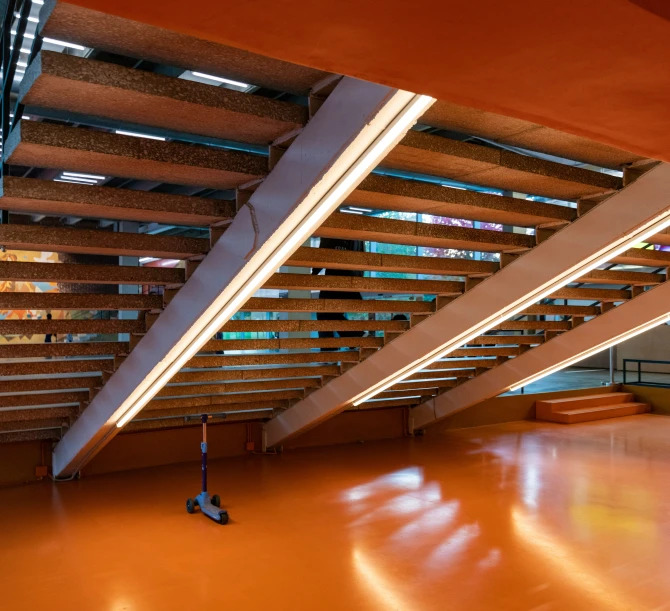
{"points": [[518, 516]]}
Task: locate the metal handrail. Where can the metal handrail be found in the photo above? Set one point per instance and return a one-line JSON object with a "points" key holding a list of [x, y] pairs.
{"points": [[639, 372]]}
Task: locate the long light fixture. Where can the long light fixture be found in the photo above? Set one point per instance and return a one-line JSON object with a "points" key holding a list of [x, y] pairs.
{"points": [[78, 175], [91, 181], [122, 132], [62, 43], [219, 79], [356, 162], [652, 227], [591, 351]]}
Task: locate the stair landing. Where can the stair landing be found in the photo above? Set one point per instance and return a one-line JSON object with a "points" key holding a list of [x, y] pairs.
{"points": [[588, 408]]}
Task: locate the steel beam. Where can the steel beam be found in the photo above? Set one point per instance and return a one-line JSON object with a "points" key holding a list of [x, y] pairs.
{"points": [[643, 309], [347, 128], [566, 250]]}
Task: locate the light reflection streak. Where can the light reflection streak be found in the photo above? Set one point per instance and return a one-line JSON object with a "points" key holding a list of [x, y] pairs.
{"points": [[382, 588]]}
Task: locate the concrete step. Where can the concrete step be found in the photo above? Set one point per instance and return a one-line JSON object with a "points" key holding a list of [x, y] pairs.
{"points": [[502, 169], [75, 84], [588, 414], [33, 196], [44, 145]]}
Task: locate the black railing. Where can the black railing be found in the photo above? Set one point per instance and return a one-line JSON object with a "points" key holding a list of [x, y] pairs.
{"points": [[638, 372], [14, 19]]}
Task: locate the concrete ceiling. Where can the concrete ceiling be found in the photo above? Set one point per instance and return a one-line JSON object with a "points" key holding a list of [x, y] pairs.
{"points": [[596, 68]]}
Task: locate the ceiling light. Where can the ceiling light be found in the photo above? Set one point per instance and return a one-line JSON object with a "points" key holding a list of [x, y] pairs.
{"points": [[26, 35], [71, 182], [591, 351], [77, 175], [33, 19], [453, 187], [354, 163], [351, 211], [360, 209], [136, 135], [62, 43], [84, 180], [23, 50], [22, 64], [657, 224], [218, 79], [147, 259], [40, 2]]}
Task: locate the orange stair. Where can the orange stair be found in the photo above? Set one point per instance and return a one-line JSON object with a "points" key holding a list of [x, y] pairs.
{"points": [[588, 408]]}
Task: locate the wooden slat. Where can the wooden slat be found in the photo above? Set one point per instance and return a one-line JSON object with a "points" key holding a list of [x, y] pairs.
{"points": [[589, 294], [487, 166], [356, 227], [647, 257], [622, 277], [292, 343], [48, 423], [524, 134], [98, 30], [78, 301], [255, 374], [386, 404], [211, 402], [29, 436], [89, 274], [350, 356], [7, 386], [387, 193], [512, 340], [56, 367], [39, 413], [297, 326], [74, 84], [90, 241], [39, 327], [19, 351], [179, 423], [520, 325], [182, 407], [363, 285], [482, 352], [404, 264], [45, 145], [459, 364], [233, 387], [431, 384], [33, 196], [562, 310], [453, 373], [269, 304], [43, 399]]}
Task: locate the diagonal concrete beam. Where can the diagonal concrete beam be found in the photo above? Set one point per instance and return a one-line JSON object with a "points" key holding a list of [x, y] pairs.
{"points": [[646, 309], [356, 126], [556, 259]]}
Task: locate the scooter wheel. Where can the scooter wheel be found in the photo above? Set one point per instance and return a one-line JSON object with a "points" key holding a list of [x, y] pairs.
{"points": [[216, 500], [190, 505], [224, 518]]}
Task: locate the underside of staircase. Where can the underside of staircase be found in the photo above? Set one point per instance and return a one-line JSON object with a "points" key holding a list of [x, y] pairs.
{"points": [[573, 410]]}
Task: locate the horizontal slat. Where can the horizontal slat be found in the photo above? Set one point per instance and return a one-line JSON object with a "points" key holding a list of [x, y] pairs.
{"points": [[560, 310], [502, 169], [45, 145], [211, 402], [512, 340], [459, 364], [363, 285], [622, 277], [588, 294], [55, 398], [255, 374], [40, 435], [292, 343], [356, 227], [33, 196], [56, 367], [90, 241], [90, 274], [19, 351], [42, 413], [387, 193], [98, 30], [38, 327], [31, 425], [296, 326], [78, 301], [102, 89], [233, 387], [520, 325], [429, 384], [647, 257], [368, 261], [524, 134], [268, 304], [7, 386], [350, 356]]}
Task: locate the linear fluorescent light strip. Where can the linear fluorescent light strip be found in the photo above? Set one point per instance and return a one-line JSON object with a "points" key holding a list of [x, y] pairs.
{"points": [[237, 293], [591, 351], [640, 234], [79, 179], [78, 175], [219, 79], [62, 43], [136, 135]]}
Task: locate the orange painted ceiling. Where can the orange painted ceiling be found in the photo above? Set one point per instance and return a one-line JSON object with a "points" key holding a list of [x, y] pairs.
{"points": [[597, 68]]}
